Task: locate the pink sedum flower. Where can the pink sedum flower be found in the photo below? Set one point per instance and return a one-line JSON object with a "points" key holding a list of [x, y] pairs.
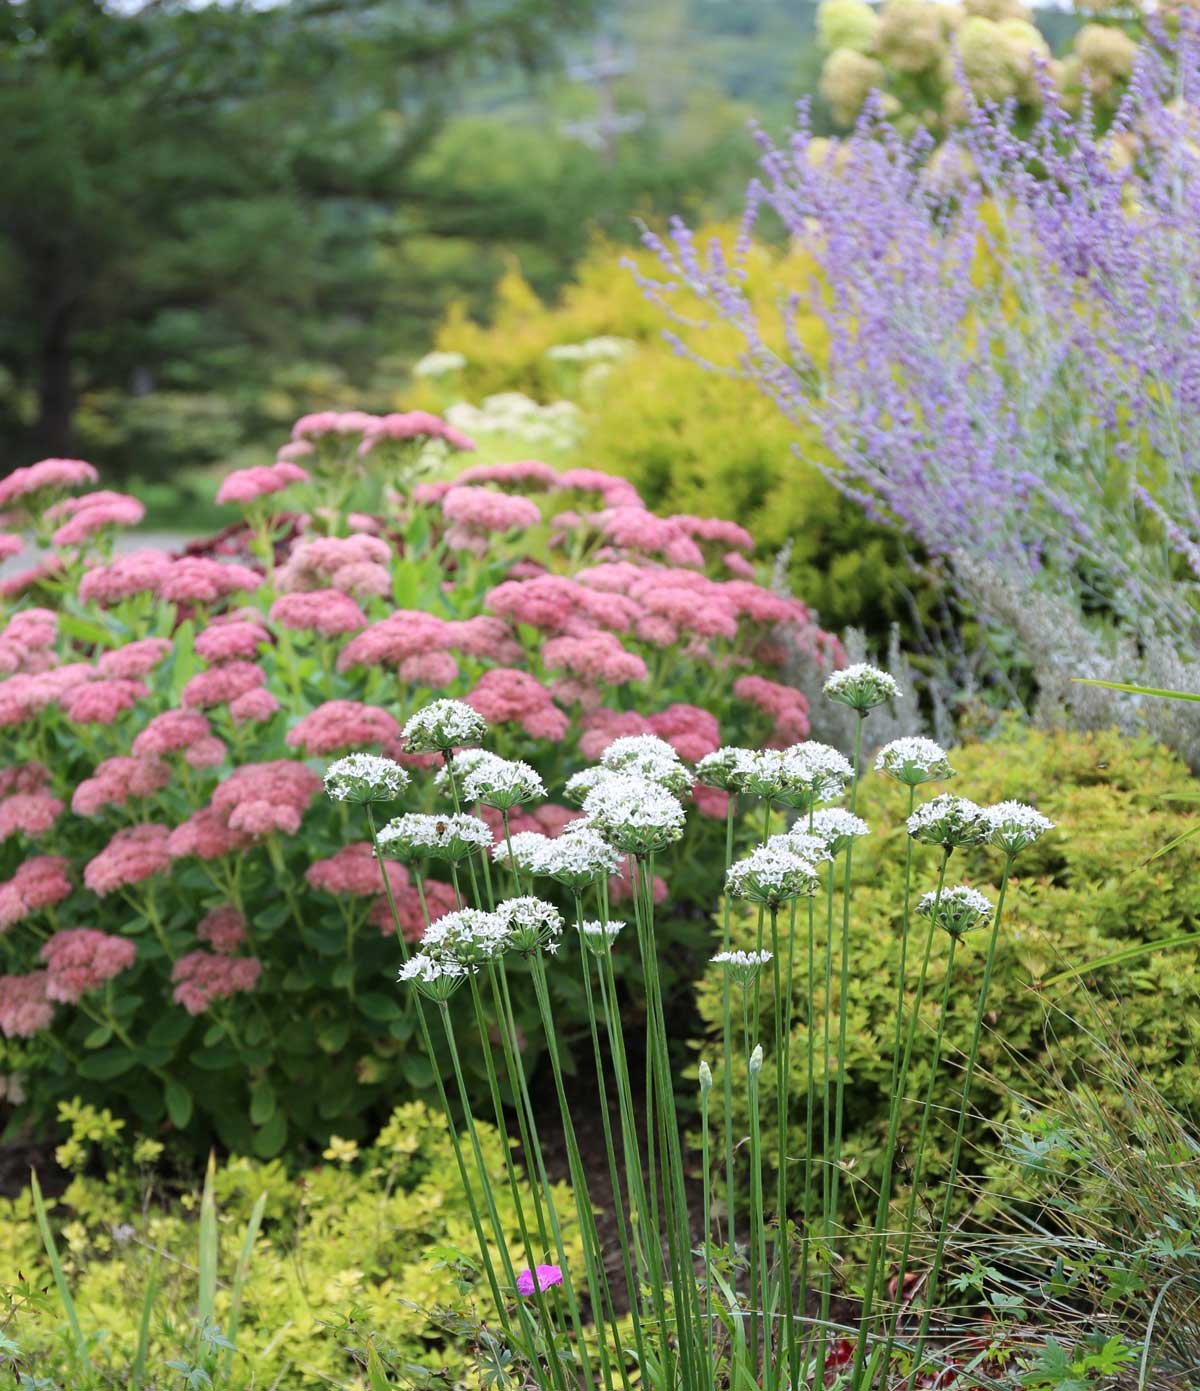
{"points": [[354, 870], [30, 814], [224, 929], [259, 799], [598, 658], [201, 977], [96, 512], [81, 959], [432, 670], [507, 696], [328, 612], [405, 633], [254, 707], [196, 579], [786, 706], [134, 855], [103, 702], [134, 659], [139, 572], [205, 834], [440, 899], [222, 685], [483, 511], [342, 724], [525, 474], [171, 731], [46, 476], [39, 883], [117, 780], [10, 545], [25, 1009], [247, 485], [236, 640], [209, 752]]}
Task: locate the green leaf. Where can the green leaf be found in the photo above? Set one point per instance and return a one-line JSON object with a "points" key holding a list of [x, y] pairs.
{"points": [[183, 665], [334, 1037], [378, 1006], [342, 975], [262, 1102], [273, 917], [84, 630], [98, 1037], [103, 1067], [60, 1280], [169, 1029], [1137, 690], [179, 1104], [270, 1138], [239, 1277], [1173, 844], [1117, 958], [207, 1291], [418, 1072]]}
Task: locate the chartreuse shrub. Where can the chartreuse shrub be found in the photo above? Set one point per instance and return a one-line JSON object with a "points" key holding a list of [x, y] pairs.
{"points": [[258, 1277], [188, 935], [1083, 892], [704, 443]]}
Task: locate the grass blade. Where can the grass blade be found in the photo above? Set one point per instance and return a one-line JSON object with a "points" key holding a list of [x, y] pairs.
{"points": [[240, 1275], [1136, 690], [60, 1279], [1116, 958], [207, 1299], [143, 1342]]}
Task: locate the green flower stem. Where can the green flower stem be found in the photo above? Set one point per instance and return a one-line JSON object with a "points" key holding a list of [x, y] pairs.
{"points": [[455, 1142], [710, 1364], [826, 1123], [758, 1237], [783, 1292], [592, 1254], [880, 1232], [727, 1037], [275, 855], [939, 1252]]}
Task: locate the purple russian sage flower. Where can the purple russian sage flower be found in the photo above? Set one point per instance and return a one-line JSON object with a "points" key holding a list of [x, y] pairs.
{"points": [[1010, 364]]}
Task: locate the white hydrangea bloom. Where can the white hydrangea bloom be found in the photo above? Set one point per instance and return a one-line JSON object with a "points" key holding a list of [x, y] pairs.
{"points": [[959, 910], [443, 725], [771, 874], [647, 756], [913, 760], [1014, 825], [949, 822], [365, 777], [416, 836], [862, 687], [636, 815]]}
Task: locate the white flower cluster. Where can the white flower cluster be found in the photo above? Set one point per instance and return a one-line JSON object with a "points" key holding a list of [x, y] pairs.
{"points": [[605, 347], [597, 936], [720, 769], [959, 909], [502, 783], [862, 687], [438, 364], [530, 923], [443, 725], [578, 785], [913, 760], [797, 777], [433, 976], [365, 777], [798, 841], [771, 875], [837, 828], [416, 836], [578, 857], [636, 815], [950, 822], [521, 851], [743, 964], [1014, 825], [512, 414], [469, 936], [647, 756]]}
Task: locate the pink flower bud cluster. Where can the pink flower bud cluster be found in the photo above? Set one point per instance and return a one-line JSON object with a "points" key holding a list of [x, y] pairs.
{"points": [[171, 732], [224, 929], [200, 978], [134, 854], [526, 475], [206, 835], [104, 701], [691, 731], [786, 706], [30, 814], [399, 427], [117, 780], [259, 799], [478, 513], [222, 685], [598, 659], [342, 724], [439, 900], [231, 637], [506, 696], [46, 477], [10, 545], [635, 529], [39, 883], [25, 1009], [134, 659], [198, 579], [328, 612], [359, 564], [354, 870], [80, 959], [249, 484], [91, 513]]}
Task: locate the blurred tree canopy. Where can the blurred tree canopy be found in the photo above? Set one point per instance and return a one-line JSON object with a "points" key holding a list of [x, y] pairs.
{"points": [[189, 189]]}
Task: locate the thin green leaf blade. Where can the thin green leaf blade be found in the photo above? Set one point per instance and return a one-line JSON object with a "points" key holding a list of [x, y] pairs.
{"points": [[1118, 958], [60, 1279]]}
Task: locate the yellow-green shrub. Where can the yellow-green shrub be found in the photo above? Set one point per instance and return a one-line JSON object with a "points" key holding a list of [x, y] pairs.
{"points": [[373, 1231], [1083, 892], [702, 442]]}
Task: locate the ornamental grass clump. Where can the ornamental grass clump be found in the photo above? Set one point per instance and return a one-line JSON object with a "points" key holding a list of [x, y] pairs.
{"points": [[169, 722], [780, 1290]]}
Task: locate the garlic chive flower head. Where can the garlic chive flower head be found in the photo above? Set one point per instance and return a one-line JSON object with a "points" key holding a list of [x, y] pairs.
{"points": [[719, 769], [417, 836], [951, 822], [742, 966], [797, 777], [460, 765], [578, 785], [959, 910], [797, 841], [861, 687], [469, 936], [756, 1059], [443, 725], [530, 923], [771, 875], [636, 815], [705, 1077], [434, 977], [598, 937], [913, 760], [578, 858], [502, 783], [527, 849], [365, 777], [647, 756], [1013, 825], [837, 827]]}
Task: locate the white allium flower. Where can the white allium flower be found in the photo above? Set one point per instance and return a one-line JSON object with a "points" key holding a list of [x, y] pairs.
{"points": [[436, 978], [756, 1059], [443, 725], [647, 756], [719, 769], [469, 936], [796, 777], [913, 760], [742, 966], [862, 687], [578, 785], [598, 937], [797, 841], [771, 875], [837, 827], [416, 836], [960, 909], [949, 822], [365, 777], [503, 784], [1014, 825], [579, 858], [531, 923], [636, 815], [528, 848], [460, 765]]}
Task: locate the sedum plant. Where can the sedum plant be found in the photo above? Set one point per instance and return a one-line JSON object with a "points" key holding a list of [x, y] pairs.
{"points": [[188, 934], [734, 1312]]}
